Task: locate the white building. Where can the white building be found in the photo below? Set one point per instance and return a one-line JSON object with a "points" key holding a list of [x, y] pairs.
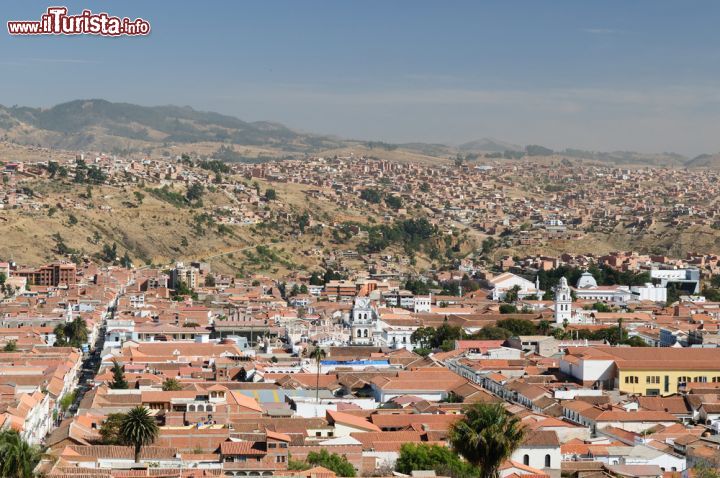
{"points": [[504, 282], [649, 292], [587, 289], [563, 303], [363, 322], [422, 303], [540, 449]]}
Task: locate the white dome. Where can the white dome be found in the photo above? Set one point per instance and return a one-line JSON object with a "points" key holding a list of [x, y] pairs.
{"points": [[586, 281]]}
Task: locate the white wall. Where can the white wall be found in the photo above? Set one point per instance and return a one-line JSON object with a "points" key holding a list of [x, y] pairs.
{"points": [[537, 456]]}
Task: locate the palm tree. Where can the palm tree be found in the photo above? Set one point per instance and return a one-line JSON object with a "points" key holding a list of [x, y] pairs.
{"points": [[544, 327], [486, 437], [171, 385], [17, 457], [318, 354], [138, 429]]}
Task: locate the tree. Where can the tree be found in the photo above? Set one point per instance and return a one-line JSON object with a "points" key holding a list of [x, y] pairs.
{"points": [[393, 202], [270, 195], [421, 456], [71, 334], [303, 221], [518, 326], [10, 346], [67, 400], [543, 327], [126, 262], [491, 332], [508, 309], [706, 470], [119, 382], [110, 429], [486, 437], [171, 385], [52, 168], [139, 197], [339, 464], [195, 192], [371, 195], [138, 429], [512, 294], [315, 279], [17, 457], [318, 354]]}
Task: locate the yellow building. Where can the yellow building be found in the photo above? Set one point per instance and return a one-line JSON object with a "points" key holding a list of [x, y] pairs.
{"points": [[662, 371], [641, 370]]}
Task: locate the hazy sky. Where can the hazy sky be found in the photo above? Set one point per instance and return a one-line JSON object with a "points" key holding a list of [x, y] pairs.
{"points": [[605, 75]]}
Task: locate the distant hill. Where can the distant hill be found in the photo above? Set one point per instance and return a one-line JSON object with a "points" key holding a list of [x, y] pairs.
{"points": [[705, 161], [629, 158], [489, 145], [100, 124]]}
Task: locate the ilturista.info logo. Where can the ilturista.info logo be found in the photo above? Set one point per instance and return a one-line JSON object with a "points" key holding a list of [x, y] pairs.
{"points": [[56, 21]]}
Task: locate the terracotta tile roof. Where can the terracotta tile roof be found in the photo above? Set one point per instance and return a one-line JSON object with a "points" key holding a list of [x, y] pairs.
{"points": [[370, 438], [385, 421], [353, 421], [541, 438], [242, 448], [120, 452]]}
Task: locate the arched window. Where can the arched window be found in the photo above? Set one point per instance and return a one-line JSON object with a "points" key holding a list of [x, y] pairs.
{"points": [[547, 461], [191, 408], [366, 333], [526, 460], [200, 408], [359, 334]]}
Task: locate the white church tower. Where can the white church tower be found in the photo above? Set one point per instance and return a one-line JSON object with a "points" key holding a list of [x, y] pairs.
{"points": [[363, 321], [563, 302]]}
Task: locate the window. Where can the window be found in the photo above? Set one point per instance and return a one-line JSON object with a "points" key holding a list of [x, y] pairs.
{"points": [[652, 379], [547, 461], [280, 459], [526, 460]]}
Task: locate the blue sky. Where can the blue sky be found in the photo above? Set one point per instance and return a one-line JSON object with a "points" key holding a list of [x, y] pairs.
{"points": [[603, 75]]}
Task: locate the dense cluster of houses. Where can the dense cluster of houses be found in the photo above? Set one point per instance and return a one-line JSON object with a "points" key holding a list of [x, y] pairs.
{"points": [[249, 397]]}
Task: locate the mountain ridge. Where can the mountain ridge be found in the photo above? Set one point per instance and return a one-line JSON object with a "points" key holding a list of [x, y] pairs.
{"points": [[98, 124]]}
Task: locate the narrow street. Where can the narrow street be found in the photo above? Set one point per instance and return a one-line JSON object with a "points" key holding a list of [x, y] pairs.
{"points": [[89, 368]]}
